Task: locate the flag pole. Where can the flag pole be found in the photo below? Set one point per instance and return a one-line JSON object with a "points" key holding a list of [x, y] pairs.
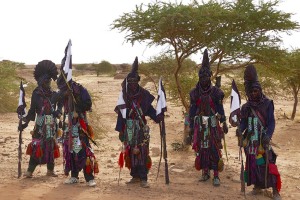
{"points": [[159, 110], [234, 123], [63, 74]]}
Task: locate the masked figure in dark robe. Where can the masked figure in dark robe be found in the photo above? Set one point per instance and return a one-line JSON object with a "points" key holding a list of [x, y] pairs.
{"points": [[77, 132], [132, 126], [257, 125], [43, 149], [206, 113]]}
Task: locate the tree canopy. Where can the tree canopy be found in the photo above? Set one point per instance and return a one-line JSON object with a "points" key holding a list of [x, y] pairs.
{"points": [[235, 33]]}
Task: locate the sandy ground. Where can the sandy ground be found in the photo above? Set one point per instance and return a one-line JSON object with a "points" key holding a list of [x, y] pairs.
{"points": [[183, 177]]}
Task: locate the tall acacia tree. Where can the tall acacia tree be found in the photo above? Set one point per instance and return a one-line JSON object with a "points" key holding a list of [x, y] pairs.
{"points": [[236, 33]]}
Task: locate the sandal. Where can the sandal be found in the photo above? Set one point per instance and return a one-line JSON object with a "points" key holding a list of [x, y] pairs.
{"points": [[204, 177]]}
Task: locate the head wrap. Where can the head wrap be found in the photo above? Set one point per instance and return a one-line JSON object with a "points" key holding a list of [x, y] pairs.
{"points": [[133, 75], [205, 67], [45, 69], [250, 79]]}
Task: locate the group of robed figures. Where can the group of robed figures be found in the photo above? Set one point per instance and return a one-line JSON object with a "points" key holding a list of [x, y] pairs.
{"points": [[254, 120], [71, 103]]}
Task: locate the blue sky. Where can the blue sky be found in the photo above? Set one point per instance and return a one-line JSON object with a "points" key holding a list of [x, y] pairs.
{"points": [[34, 30]]}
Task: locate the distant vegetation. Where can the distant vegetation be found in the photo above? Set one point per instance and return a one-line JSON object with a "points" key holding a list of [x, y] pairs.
{"points": [[9, 86], [104, 67]]}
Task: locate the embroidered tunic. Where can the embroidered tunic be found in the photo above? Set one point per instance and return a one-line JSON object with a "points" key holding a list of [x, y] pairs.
{"points": [[205, 125], [43, 138], [255, 126], [136, 138]]}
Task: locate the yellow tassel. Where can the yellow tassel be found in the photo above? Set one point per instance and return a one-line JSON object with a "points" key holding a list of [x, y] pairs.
{"points": [[96, 167], [59, 132], [90, 131], [88, 161]]}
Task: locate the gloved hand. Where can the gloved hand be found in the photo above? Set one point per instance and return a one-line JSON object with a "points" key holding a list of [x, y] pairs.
{"points": [[24, 119], [21, 127], [20, 111], [225, 127], [121, 137], [189, 138], [159, 118], [238, 132], [266, 139]]}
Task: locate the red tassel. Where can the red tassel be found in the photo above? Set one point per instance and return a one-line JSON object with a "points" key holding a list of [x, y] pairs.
{"points": [[39, 152], [83, 125], [197, 163], [96, 167], [88, 169], [127, 161], [274, 170], [121, 160], [149, 162], [29, 149], [278, 183], [56, 151]]}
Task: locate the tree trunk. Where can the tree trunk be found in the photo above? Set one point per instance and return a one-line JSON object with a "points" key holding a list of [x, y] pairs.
{"points": [[183, 101], [179, 88], [295, 94]]}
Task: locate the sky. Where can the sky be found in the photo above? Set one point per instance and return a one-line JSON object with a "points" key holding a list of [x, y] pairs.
{"points": [[35, 30]]}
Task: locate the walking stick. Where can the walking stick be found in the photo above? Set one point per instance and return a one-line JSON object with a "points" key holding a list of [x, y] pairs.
{"points": [[267, 166], [225, 147], [20, 150], [161, 150], [242, 178], [163, 135]]}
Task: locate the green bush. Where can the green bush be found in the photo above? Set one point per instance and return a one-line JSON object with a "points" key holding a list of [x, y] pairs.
{"points": [[81, 67], [9, 86], [104, 67]]}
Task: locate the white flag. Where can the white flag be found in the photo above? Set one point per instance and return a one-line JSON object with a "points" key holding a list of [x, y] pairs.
{"points": [[235, 105], [67, 65], [161, 101], [22, 105], [121, 105]]}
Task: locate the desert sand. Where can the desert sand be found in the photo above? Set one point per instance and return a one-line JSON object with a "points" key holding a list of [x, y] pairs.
{"points": [[184, 182]]}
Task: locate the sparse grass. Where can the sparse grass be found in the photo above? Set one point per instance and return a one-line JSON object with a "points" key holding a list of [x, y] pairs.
{"points": [[9, 86], [99, 131]]}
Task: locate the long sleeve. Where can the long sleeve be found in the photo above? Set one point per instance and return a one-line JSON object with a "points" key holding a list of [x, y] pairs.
{"points": [[120, 123], [192, 113], [270, 120], [151, 112], [33, 107], [243, 124], [220, 110], [244, 119]]}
